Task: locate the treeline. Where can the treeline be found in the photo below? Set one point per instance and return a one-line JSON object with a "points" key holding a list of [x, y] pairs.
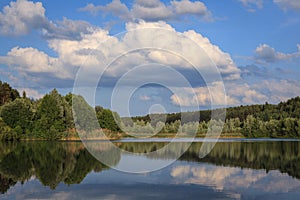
{"points": [[266, 112], [276, 121], [251, 127], [49, 118]]}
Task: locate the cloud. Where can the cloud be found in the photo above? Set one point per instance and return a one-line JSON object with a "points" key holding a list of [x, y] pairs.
{"points": [[202, 96], [272, 91], [115, 7], [40, 68], [234, 180], [32, 60], [20, 17], [152, 10], [254, 72], [252, 5], [220, 177], [221, 59], [279, 90], [144, 98], [188, 7], [92, 53], [237, 93], [266, 54], [67, 29], [246, 94], [288, 4], [32, 93]]}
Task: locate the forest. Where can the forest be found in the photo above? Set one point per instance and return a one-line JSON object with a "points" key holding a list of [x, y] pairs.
{"points": [[251, 121], [51, 118], [48, 118]]}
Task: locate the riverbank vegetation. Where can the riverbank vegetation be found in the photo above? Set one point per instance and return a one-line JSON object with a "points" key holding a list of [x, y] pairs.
{"points": [[48, 118], [51, 118], [253, 121]]}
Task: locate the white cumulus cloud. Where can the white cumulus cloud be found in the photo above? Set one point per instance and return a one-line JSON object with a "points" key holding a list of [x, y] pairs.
{"points": [[32, 60], [95, 50], [266, 54], [152, 10], [20, 17], [237, 93], [203, 96]]}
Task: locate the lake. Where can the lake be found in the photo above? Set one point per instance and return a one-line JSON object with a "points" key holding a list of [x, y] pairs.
{"points": [[234, 169]]}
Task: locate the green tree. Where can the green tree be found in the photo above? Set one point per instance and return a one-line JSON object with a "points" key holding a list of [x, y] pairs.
{"points": [[53, 116], [6, 133], [7, 93], [18, 114], [84, 115], [24, 95], [107, 119]]}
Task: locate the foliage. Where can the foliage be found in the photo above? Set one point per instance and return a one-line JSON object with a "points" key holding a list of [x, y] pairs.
{"points": [[107, 119], [18, 115], [53, 116], [6, 133], [280, 121], [84, 114], [7, 93]]}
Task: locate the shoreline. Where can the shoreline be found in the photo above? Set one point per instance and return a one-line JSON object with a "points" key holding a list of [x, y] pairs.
{"points": [[159, 137], [145, 139]]}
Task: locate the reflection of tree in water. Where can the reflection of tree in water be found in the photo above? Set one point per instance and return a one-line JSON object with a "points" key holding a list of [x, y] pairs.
{"points": [[105, 152], [70, 162], [141, 147], [282, 156], [50, 162], [6, 183]]}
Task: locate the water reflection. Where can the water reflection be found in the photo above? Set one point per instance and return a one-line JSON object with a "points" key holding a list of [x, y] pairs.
{"points": [[49, 162], [233, 178], [232, 169]]}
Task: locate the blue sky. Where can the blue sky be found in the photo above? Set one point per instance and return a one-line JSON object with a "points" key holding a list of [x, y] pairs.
{"points": [[254, 44]]}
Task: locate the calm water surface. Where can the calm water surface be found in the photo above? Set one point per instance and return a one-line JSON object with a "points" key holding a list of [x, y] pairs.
{"points": [[235, 169]]}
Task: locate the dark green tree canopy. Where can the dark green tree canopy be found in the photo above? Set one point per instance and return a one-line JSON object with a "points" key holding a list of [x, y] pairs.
{"points": [[7, 93], [18, 113], [53, 116]]}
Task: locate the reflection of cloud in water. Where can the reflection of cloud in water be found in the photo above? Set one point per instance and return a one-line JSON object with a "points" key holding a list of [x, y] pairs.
{"points": [[229, 178], [203, 175], [130, 190]]}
